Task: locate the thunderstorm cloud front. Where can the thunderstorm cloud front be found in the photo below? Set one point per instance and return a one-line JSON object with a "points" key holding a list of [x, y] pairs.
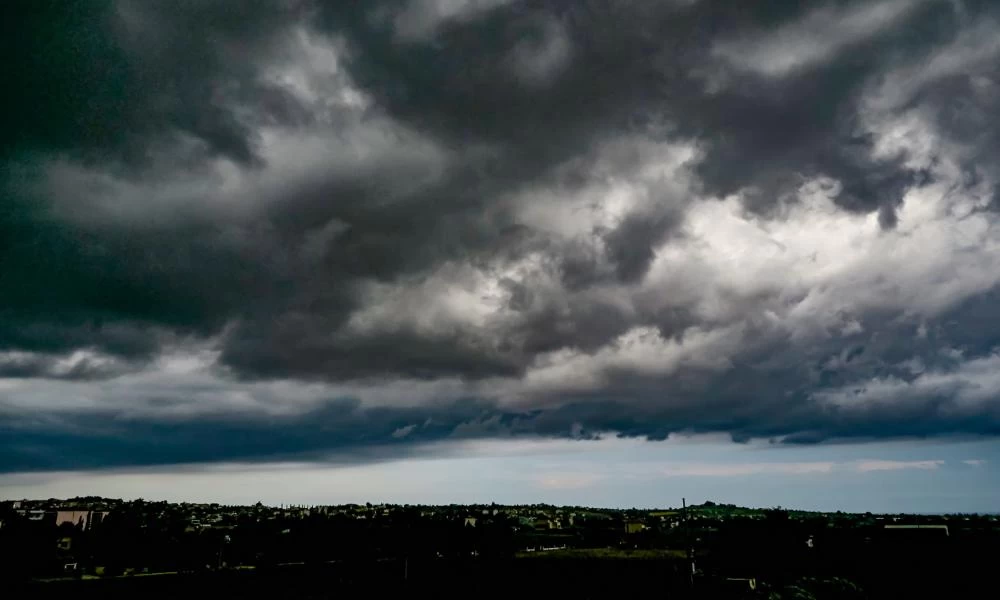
{"points": [[353, 231]]}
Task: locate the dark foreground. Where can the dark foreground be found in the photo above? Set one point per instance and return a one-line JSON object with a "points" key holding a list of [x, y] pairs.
{"points": [[100, 548], [532, 578], [888, 576]]}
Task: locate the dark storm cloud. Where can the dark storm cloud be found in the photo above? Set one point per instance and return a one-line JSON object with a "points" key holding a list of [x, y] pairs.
{"points": [[105, 439], [344, 431], [105, 79], [634, 61], [108, 84], [66, 288], [336, 222], [172, 71]]}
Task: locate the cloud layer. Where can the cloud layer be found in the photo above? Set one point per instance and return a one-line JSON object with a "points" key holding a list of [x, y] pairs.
{"points": [[303, 229]]}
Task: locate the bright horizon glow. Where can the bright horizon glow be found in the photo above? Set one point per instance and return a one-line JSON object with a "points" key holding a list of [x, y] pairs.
{"points": [[612, 473]]}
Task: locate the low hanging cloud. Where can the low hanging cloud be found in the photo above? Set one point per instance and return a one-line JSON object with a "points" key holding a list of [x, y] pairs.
{"points": [[301, 230], [737, 470], [867, 466], [796, 468], [568, 481]]}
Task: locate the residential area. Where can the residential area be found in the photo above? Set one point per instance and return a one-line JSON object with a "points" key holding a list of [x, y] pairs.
{"points": [[700, 547]]}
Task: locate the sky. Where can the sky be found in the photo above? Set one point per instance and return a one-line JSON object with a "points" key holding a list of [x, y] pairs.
{"points": [[593, 252]]}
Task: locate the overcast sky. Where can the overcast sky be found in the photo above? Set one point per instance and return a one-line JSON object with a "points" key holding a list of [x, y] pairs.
{"points": [[590, 252]]}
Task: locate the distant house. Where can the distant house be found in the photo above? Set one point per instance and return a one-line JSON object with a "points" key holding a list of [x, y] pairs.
{"points": [[546, 524], [82, 518], [634, 527], [470, 521]]}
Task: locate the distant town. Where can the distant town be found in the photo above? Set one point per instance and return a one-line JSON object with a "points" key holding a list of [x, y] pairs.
{"points": [[688, 549]]}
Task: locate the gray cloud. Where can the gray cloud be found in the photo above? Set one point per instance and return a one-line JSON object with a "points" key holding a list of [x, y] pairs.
{"points": [[458, 219]]}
